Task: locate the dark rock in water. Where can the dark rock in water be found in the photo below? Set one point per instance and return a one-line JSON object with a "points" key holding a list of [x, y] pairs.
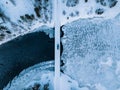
{"points": [[23, 52]]}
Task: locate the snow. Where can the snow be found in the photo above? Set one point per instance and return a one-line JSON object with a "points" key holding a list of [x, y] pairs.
{"points": [[57, 21], [117, 68], [91, 43], [43, 75], [109, 62], [91, 52], [48, 30], [100, 87], [87, 9], [14, 11], [20, 17], [1, 21]]}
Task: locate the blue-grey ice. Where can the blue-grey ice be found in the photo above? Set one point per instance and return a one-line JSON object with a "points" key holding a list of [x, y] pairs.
{"points": [[91, 52]]}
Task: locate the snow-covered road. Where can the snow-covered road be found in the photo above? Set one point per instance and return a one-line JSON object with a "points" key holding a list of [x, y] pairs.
{"points": [[57, 21]]}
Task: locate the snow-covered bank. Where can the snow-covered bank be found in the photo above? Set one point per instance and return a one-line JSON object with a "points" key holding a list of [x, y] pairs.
{"points": [[41, 77], [76, 9], [20, 17], [30, 76]]}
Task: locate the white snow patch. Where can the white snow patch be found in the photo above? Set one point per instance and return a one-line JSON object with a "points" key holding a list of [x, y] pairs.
{"points": [[17, 27], [100, 87], [86, 10], [109, 62], [118, 68]]}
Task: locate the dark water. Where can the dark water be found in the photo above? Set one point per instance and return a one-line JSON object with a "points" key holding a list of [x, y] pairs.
{"points": [[22, 53], [61, 35]]}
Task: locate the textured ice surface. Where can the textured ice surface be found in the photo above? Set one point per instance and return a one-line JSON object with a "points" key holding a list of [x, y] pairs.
{"points": [[91, 52]]}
